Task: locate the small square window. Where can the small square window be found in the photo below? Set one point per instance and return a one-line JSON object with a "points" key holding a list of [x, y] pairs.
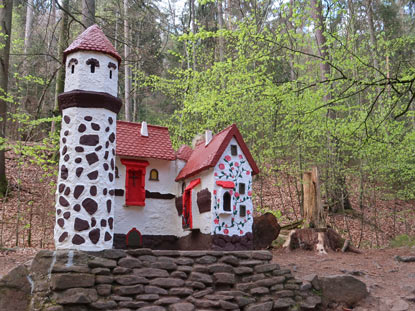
{"points": [[242, 210], [241, 188], [154, 175], [234, 150]]}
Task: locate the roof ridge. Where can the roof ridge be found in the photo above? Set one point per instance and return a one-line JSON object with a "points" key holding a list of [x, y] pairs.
{"points": [[139, 124]]}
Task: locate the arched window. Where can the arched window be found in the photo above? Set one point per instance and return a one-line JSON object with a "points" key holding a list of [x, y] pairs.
{"points": [[93, 63], [226, 202], [110, 74], [111, 66], [72, 62], [154, 174]]}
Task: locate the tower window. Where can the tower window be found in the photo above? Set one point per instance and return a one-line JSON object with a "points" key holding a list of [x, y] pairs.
{"points": [[234, 150], [154, 174], [72, 62], [93, 63], [242, 210], [110, 74], [72, 68], [226, 202], [241, 188]]}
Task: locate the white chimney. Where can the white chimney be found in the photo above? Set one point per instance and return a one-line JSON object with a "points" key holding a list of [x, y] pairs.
{"points": [[144, 130], [208, 137]]}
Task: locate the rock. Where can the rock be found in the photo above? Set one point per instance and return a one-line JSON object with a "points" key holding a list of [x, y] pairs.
{"points": [[182, 306], [130, 279], [224, 278], [71, 280], [310, 303], [104, 304], [203, 293], [15, 290], [283, 303], [244, 300], [243, 270], [206, 260], [155, 290], [76, 296], [226, 305], [232, 260], [167, 282], [128, 290], [262, 255], [151, 273], [342, 288], [147, 297], [267, 267], [264, 306], [167, 301], [265, 230], [99, 262], [180, 291], [259, 291], [405, 258], [201, 277], [132, 304], [130, 262], [104, 289]]}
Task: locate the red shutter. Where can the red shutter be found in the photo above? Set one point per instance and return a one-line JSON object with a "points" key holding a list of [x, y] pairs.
{"points": [[135, 192]]}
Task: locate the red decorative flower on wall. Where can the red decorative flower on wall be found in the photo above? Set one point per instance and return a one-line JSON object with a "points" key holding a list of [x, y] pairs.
{"points": [[216, 221], [230, 192], [241, 232], [228, 158], [237, 194], [214, 192], [234, 207], [250, 193], [216, 174], [221, 166], [248, 172], [226, 231], [248, 212], [240, 156], [237, 164]]}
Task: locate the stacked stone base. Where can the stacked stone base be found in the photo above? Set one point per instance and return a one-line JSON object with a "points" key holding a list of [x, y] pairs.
{"points": [[160, 280]]}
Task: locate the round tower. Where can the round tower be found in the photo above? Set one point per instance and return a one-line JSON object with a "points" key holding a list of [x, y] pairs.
{"points": [[89, 106]]}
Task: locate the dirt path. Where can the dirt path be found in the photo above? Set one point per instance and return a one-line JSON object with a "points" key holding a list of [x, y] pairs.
{"points": [[390, 283]]}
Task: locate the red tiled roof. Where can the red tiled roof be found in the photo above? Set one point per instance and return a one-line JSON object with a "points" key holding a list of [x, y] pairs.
{"points": [[204, 157], [130, 143], [184, 152], [92, 39]]}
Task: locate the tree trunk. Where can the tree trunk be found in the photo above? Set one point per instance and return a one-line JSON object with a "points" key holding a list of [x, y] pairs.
{"points": [[313, 206], [6, 8], [372, 34], [63, 40], [127, 76], [88, 12], [28, 27], [221, 40]]}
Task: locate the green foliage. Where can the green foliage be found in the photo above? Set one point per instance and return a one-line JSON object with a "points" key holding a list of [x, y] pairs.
{"points": [[402, 240]]}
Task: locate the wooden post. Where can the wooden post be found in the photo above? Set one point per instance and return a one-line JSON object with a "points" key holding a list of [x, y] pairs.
{"points": [[313, 206]]}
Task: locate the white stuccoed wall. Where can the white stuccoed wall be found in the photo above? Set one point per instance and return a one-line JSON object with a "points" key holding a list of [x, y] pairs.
{"points": [[66, 215], [157, 217], [83, 79], [230, 228]]}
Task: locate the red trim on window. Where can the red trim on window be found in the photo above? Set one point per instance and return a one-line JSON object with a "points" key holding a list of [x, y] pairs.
{"points": [[139, 233], [135, 196], [187, 204], [225, 184]]}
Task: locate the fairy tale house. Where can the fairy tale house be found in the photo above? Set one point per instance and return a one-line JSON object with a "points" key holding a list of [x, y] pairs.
{"points": [[122, 185]]}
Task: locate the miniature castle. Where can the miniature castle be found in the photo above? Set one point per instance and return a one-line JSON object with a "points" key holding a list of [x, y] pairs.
{"points": [[121, 184]]}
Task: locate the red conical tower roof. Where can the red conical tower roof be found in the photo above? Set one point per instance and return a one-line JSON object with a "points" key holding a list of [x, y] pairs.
{"points": [[92, 39]]}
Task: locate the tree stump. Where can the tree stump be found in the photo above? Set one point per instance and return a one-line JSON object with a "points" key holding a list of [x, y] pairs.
{"points": [[320, 240], [265, 230]]}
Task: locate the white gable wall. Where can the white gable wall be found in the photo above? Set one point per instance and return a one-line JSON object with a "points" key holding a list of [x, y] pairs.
{"points": [[235, 169]]}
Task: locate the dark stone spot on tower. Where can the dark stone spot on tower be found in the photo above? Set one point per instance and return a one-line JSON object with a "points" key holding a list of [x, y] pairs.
{"points": [[78, 160], [61, 188], [66, 119], [61, 222], [98, 148], [77, 208], [80, 224], [107, 144], [94, 235], [93, 222], [109, 204], [110, 222], [95, 126], [117, 172], [112, 137], [93, 175], [66, 158], [89, 140], [64, 172], [108, 236], [79, 171], [79, 149], [113, 151], [78, 191], [78, 240], [105, 191], [103, 223], [66, 215], [67, 191], [88, 118], [110, 120], [92, 158], [58, 211], [82, 128], [90, 206], [63, 237], [66, 133], [63, 202], [64, 150], [106, 167], [64, 140], [106, 155], [107, 129], [112, 164], [111, 176], [112, 192], [93, 190]]}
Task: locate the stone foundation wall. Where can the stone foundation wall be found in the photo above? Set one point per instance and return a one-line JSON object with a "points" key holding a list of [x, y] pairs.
{"points": [[159, 280]]}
